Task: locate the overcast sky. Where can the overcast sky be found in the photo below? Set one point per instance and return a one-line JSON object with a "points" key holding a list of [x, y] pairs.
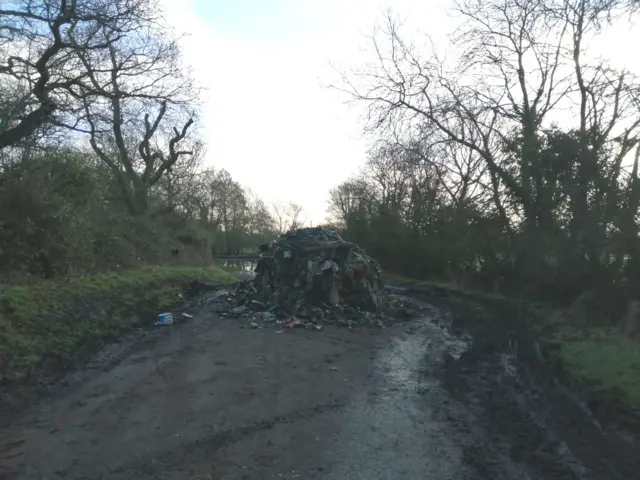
{"points": [[268, 120]]}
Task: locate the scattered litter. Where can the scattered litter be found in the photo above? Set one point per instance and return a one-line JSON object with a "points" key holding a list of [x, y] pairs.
{"points": [[257, 304], [296, 322], [164, 319], [253, 325], [238, 310], [265, 316], [186, 315]]}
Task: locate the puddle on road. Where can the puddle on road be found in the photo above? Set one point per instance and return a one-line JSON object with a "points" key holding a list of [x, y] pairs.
{"points": [[409, 357], [410, 426], [402, 429]]}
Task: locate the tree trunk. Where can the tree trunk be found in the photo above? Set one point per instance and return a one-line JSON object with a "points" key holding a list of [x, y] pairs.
{"points": [[139, 200]]}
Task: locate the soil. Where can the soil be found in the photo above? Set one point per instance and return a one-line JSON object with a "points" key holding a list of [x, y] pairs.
{"points": [[213, 398]]}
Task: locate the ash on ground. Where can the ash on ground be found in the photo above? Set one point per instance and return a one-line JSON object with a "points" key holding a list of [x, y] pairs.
{"points": [[310, 277]]}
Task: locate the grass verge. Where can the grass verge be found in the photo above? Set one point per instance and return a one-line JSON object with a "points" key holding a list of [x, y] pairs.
{"points": [[608, 361], [603, 359], [57, 324]]}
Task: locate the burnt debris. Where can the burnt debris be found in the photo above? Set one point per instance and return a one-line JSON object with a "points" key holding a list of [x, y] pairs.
{"points": [[312, 276], [317, 266]]}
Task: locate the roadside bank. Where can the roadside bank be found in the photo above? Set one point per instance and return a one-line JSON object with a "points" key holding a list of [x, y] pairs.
{"points": [[52, 326]]}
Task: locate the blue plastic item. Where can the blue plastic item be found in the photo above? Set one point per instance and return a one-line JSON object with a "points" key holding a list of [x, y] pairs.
{"points": [[165, 319]]}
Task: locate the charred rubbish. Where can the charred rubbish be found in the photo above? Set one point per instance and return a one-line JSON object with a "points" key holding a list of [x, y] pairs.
{"points": [[316, 266], [312, 276]]}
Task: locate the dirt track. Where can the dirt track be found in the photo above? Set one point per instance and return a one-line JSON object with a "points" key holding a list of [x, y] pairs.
{"points": [[210, 400]]}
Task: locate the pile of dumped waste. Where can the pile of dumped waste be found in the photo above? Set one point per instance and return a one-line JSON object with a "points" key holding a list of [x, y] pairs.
{"points": [[312, 276]]}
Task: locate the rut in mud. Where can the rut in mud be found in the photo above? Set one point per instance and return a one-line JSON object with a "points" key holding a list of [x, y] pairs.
{"points": [[211, 400]]}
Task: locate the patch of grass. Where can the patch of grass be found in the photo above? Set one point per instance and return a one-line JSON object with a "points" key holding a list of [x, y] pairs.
{"points": [[607, 360], [62, 322], [23, 303]]}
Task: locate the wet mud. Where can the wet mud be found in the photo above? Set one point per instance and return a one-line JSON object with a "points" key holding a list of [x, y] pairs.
{"points": [[214, 399]]}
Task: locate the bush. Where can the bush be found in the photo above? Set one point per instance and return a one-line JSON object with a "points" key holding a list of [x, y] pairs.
{"points": [[57, 219], [45, 215]]}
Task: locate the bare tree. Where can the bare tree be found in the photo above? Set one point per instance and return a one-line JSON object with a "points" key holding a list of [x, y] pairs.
{"points": [[391, 174], [354, 197], [279, 215], [137, 109], [287, 217], [138, 165], [179, 182], [40, 40], [518, 70], [261, 224], [507, 79], [295, 211]]}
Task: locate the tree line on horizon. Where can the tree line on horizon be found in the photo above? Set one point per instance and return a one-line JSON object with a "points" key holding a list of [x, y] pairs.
{"points": [[471, 174]]}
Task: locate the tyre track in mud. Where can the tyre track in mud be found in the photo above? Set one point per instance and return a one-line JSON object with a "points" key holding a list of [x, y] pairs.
{"points": [[506, 382]]}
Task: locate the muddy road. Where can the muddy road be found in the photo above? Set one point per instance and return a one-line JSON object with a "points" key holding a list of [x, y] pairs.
{"points": [[211, 400]]}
